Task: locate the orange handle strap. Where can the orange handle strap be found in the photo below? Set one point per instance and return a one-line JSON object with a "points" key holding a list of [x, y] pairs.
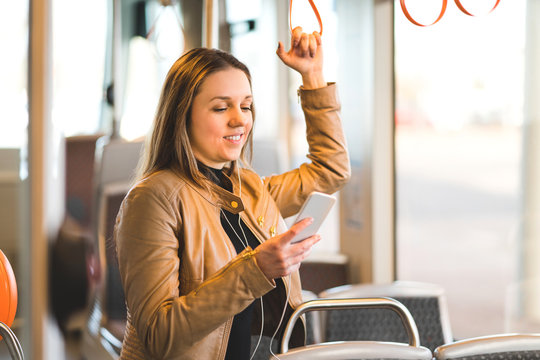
{"points": [[462, 8], [408, 15], [317, 15]]}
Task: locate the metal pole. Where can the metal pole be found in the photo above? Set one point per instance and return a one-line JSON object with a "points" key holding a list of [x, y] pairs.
{"points": [[211, 24], [116, 68], [530, 238]]}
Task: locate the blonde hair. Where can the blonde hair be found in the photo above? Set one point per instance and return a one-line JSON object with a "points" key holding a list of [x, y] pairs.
{"points": [[168, 145]]}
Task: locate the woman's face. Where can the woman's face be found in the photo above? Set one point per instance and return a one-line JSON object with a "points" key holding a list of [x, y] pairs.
{"points": [[221, 117]]}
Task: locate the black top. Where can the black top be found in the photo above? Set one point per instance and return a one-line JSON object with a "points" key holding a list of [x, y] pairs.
{"points": [[239, 345]]}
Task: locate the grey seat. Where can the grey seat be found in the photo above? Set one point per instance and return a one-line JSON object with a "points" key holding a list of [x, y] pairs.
{"points": [[350, 350], [116, 165], [496, 347], [426, 302]]}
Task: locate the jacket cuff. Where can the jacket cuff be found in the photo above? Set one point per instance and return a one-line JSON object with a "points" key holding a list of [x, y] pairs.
{"points": [[253, 275], [319, 98]]}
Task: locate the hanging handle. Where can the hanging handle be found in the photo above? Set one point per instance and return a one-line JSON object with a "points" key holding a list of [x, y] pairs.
{"points": [[465, 11], [411, 19], [315, 11]]}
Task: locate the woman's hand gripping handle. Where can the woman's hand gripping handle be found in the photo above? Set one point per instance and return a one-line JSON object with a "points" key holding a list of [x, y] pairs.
{"points": [[305, 56]]}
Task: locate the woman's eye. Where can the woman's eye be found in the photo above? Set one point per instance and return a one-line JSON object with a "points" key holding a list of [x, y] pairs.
{"points": [[220, 109], [246, 108]]}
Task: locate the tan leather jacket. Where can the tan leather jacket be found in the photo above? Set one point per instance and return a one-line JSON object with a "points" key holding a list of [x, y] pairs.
{"points": [[182, 278]]}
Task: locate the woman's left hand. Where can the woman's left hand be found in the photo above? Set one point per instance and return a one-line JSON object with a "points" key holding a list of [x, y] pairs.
{"points": [[305, 56]]}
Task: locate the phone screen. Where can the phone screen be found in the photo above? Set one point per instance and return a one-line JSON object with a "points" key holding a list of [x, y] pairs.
{"points": [[317, 206]]}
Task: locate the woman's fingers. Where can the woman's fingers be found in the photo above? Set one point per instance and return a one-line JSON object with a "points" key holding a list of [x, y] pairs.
{"points": [[304, 45], [312, 45], [278, 257], [318, 38], [296, 36], [287, 236]]}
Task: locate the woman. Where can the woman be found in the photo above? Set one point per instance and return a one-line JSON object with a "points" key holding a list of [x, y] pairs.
{"points": [[200, 239]]}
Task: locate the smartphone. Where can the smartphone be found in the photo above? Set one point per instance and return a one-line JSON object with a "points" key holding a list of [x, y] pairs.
{"points": [[316, 206]]}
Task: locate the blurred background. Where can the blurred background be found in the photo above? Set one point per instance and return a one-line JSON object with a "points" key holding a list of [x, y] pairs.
{"points": [[441, 122]]}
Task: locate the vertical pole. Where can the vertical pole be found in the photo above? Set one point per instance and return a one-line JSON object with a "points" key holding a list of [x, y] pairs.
{"points": [[211, 24], [118, 90], [39, 110], [530, 240], [383, 169], [45, 188], [367, 233]]}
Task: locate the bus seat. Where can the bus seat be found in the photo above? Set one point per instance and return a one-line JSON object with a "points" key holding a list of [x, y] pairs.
{"points": [[80, 153], [323, 271], [503, 346], [8, 307], [426, 302], [116, 164], [341, 350]]}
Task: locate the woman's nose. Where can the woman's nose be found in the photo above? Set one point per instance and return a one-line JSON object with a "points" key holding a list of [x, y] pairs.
{"points": [[239, 117]]}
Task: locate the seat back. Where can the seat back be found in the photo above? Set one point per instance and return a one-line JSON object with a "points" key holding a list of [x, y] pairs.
{"points": [[324, 271], [356, 349], [80, 160], [8, 291], [8, 307], [112, 196], [426, 302], [116, 164], [503, 346], [115, 170]]}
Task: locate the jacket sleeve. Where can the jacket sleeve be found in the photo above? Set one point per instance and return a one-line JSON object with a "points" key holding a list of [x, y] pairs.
{"points": [[147, 245], [329, 168]]}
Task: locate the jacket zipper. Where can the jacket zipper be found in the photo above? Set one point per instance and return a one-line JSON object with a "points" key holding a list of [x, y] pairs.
{"points": [[257, 237], [228, 326], [284, 279]]}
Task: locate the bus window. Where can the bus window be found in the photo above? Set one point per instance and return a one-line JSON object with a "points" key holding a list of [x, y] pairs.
{"points": [[459, 123]]}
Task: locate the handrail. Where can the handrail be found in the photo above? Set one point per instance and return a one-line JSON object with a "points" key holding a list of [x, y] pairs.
{"points": [[342, 304], [14, 347]]}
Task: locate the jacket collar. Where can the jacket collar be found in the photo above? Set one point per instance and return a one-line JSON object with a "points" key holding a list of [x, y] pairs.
{"points": [[216, 195]]}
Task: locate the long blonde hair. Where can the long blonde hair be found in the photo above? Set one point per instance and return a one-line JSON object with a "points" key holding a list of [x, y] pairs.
{"points": [[168, 145]]}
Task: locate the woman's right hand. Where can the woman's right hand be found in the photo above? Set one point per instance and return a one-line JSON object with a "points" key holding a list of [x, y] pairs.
{"points": [[277, 257]]}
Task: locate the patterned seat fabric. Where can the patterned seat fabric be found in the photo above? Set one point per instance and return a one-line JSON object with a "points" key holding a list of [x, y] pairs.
{"points": [[385, 325], [510, 355]]}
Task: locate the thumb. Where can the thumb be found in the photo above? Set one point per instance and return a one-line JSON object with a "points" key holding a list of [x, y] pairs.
{"points": [[295, 230], [280, 51]]}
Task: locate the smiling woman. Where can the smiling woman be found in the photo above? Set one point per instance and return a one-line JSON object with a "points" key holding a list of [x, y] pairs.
{"points": [[221, 118], [201, 239]]}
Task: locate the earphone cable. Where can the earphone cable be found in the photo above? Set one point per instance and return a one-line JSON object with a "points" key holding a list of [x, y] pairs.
{"points": [[282, 317]]}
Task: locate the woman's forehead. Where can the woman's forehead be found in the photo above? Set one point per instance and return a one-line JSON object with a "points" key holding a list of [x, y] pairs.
{"points": [[226, 83]]}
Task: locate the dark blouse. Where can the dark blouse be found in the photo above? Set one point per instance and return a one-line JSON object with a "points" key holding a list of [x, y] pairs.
{"points": [[239, 345]]}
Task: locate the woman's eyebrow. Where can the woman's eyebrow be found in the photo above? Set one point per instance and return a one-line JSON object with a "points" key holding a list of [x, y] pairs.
{"points": [[247, 97]]}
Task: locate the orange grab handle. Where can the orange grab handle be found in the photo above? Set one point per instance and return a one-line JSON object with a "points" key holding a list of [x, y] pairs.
{"points": [[462, 8], [8, 291], [317, 15], [408, 15]]}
